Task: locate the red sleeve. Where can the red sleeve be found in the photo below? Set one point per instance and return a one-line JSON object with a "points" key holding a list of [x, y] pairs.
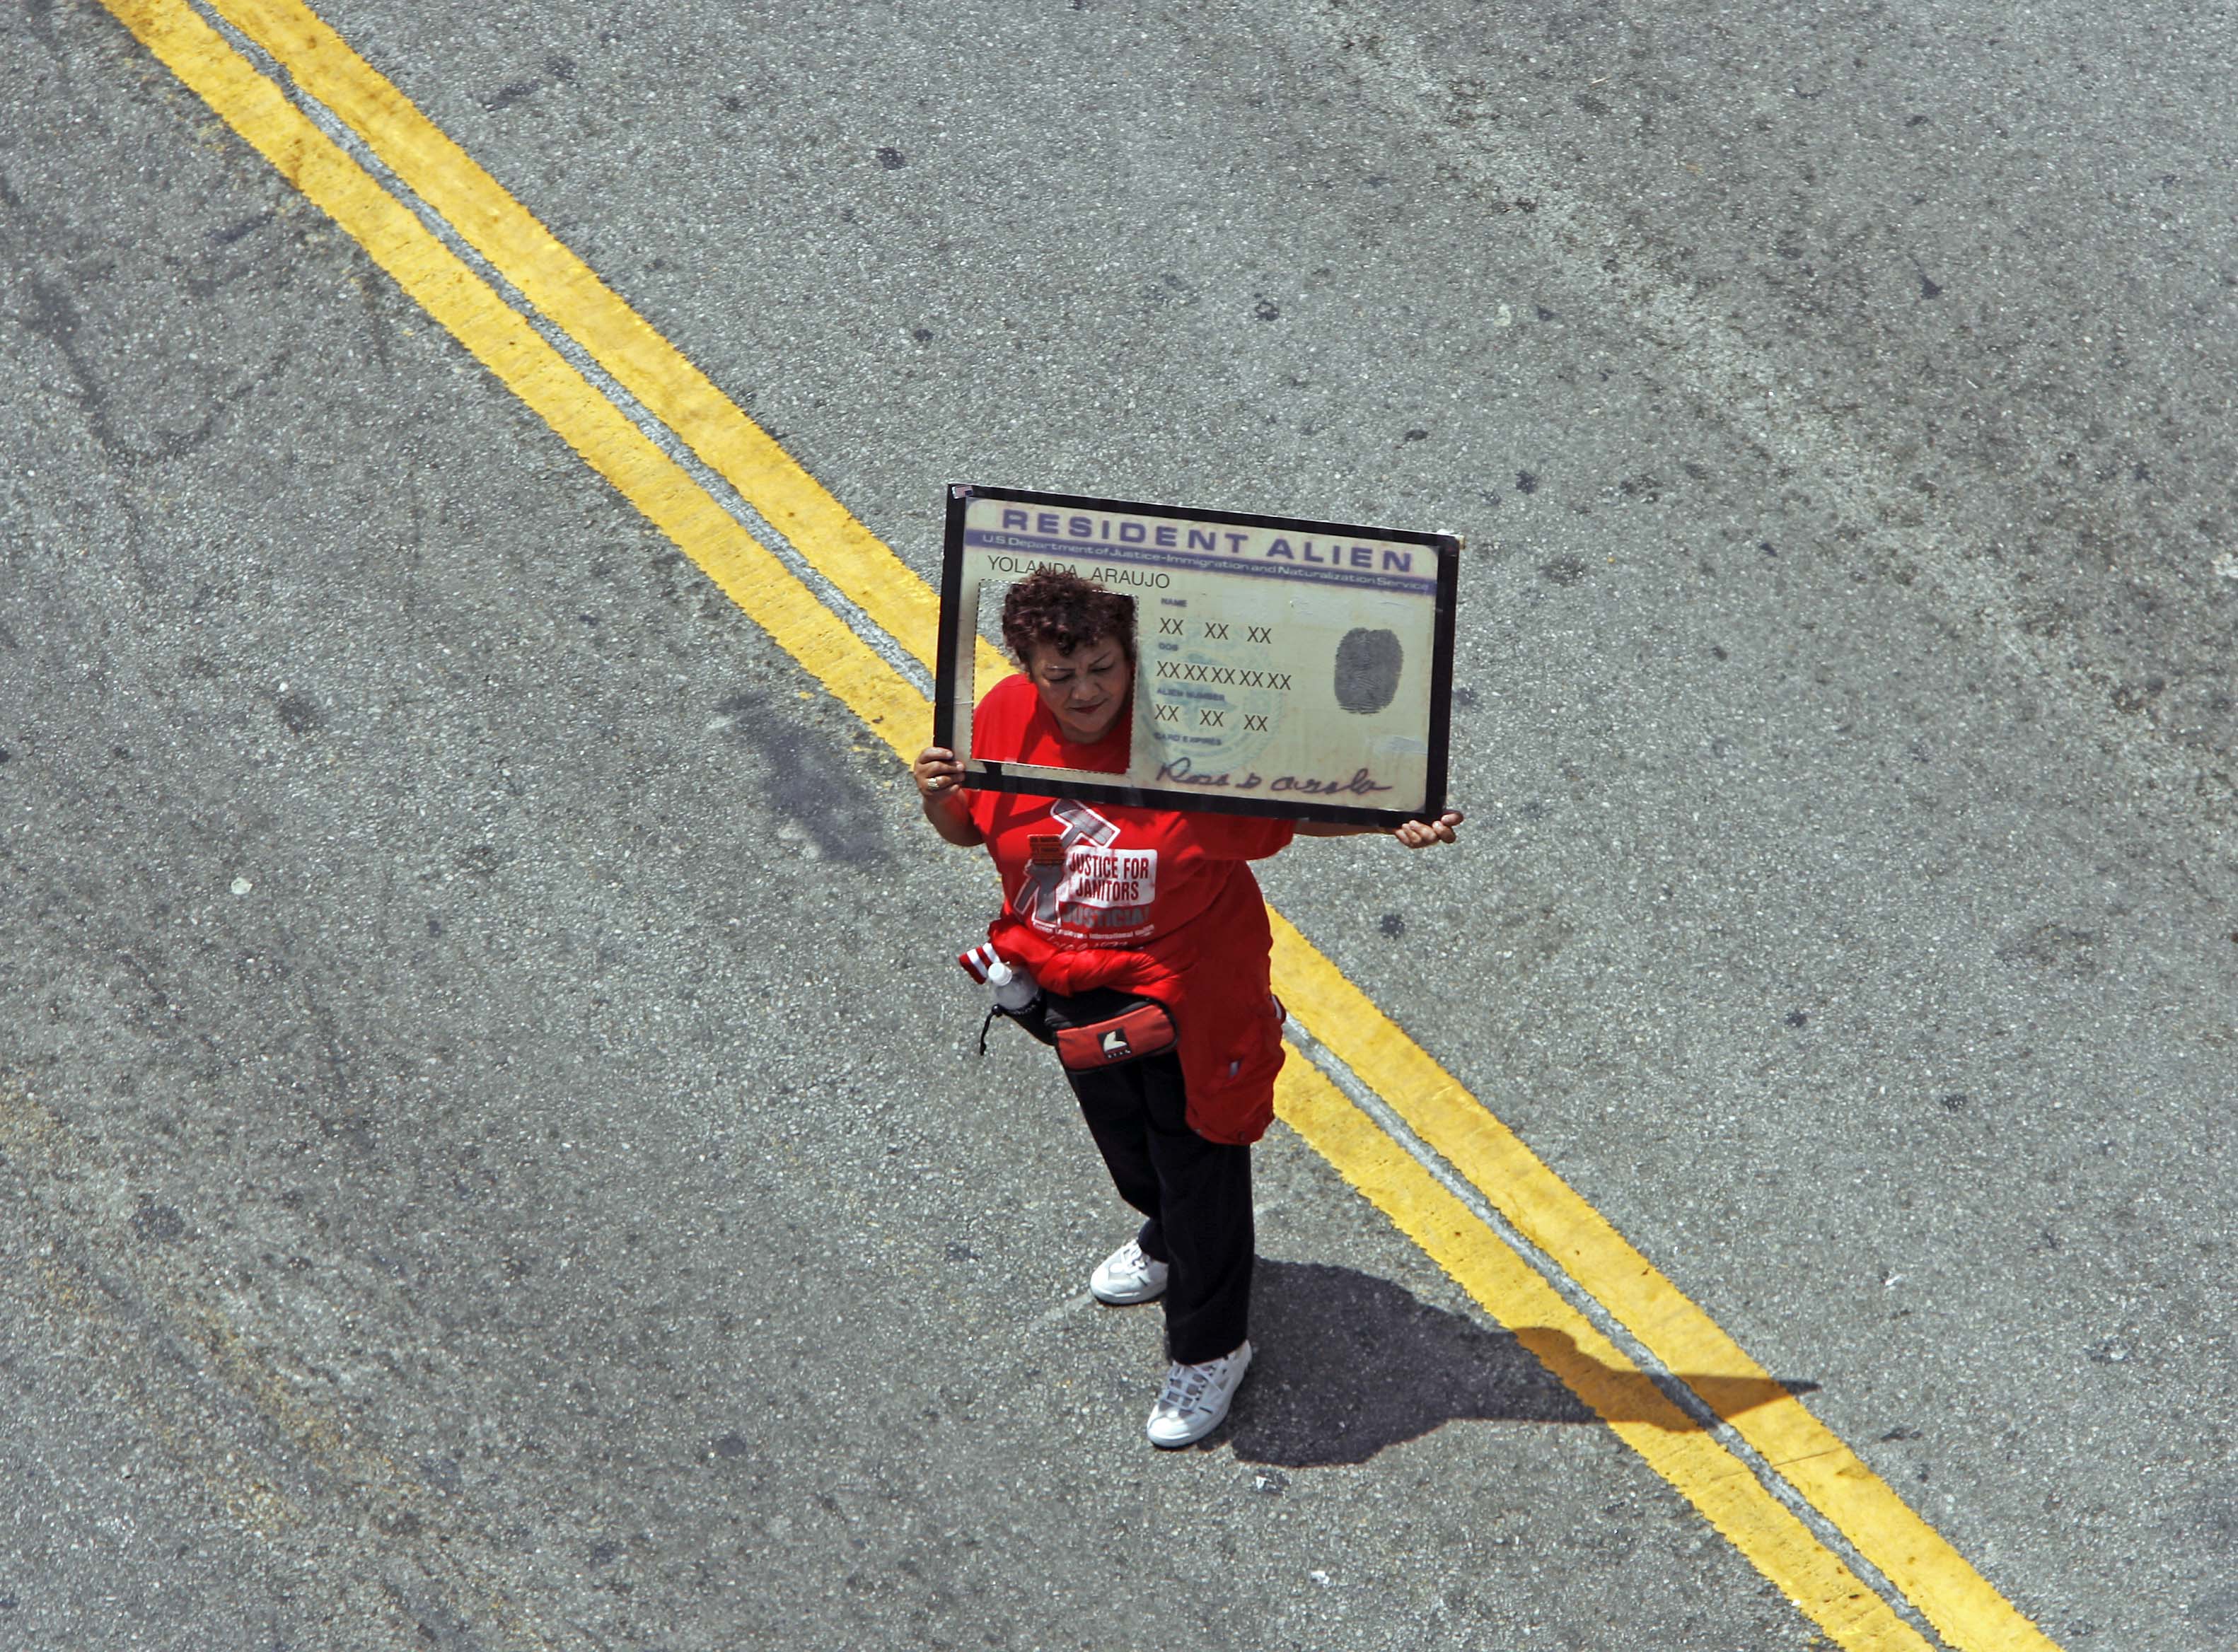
{"points": [[998, 723], [1240, 838], [998, 730]]}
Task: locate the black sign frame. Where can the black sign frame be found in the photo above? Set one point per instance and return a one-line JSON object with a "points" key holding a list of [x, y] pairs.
{"points": [[954, 665]]}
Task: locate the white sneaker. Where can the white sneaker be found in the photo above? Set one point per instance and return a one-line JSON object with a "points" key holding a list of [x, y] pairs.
{"points": [[1128, 1274], [1195, 1398]]}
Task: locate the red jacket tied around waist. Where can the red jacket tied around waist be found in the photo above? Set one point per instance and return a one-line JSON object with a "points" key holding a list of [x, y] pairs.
{"points": [[1159, 902]]}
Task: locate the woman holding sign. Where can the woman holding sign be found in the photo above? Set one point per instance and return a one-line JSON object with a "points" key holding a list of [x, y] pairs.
{"points": [[1147, 938]]}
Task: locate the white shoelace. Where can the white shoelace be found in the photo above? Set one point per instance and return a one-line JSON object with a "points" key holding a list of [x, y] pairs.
{"points": [[1185, 1385]]}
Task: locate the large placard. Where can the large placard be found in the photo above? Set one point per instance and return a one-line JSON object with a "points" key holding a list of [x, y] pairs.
{"points": [[1283, 667]]}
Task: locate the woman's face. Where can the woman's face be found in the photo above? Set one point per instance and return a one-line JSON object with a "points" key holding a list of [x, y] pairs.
{"points": [[1086, 690]]}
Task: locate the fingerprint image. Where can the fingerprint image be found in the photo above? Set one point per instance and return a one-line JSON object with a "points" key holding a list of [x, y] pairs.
{"points": [[1367, 663]]}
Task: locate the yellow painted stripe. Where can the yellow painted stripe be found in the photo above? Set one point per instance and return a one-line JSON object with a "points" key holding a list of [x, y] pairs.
{"points": [[1963, 1607], [509, 347], [1961, 1604], [1730, 1498], [571, 295]]}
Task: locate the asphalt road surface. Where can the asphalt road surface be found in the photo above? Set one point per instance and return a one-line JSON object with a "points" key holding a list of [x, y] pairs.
{"points": [[493, 1152]]}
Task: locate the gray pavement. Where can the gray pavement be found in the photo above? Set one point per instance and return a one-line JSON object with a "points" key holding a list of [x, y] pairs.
{"points": [[491, 1155]]}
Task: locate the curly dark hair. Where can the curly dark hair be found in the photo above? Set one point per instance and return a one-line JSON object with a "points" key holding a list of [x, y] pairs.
{"points": [[1057, 608]]}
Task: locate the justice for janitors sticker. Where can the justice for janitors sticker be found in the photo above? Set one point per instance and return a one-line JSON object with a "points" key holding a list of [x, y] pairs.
{"points": [[1283, 666]]}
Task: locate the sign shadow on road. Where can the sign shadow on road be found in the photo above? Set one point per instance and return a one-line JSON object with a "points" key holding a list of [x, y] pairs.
{"points": [[1347, 1364]]}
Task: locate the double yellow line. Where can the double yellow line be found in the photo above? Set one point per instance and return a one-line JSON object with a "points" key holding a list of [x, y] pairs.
{"points": [[1815, 1471]]}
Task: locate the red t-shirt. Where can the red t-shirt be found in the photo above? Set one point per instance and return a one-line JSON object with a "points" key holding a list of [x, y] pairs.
{"points": [[1156, 901]]}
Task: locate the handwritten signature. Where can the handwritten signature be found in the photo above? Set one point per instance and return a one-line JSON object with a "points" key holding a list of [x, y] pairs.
{"points": [[1182, 772]]}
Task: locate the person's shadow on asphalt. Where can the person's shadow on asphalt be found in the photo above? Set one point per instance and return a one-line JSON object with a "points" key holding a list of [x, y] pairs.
{"points": [[1346, 1364]]}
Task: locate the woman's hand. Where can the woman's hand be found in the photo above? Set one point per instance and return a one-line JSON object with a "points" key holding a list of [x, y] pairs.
{"points": [[940, 788], [939, 777], [1421, 833]]}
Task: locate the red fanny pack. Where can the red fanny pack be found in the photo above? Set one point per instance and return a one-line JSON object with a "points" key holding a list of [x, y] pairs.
{"points": [[1143, 1029]]}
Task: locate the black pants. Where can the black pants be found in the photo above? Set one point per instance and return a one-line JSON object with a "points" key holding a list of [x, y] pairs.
{"points": [[1195, 1195]]}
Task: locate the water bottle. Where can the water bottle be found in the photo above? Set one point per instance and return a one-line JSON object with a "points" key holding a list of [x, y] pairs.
{"points": [[1013, 984], [1015, 987]]}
